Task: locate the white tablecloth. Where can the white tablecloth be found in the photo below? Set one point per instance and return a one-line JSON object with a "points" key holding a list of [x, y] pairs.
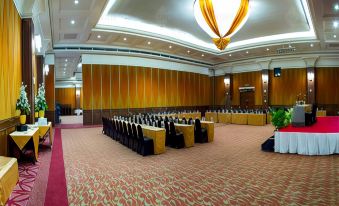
{"points": [[306, 143]]}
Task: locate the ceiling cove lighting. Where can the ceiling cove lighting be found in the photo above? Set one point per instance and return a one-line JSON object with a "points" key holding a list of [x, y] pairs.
{"points": [[221, 19]]}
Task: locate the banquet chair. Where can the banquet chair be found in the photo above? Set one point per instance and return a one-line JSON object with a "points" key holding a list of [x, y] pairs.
{"points": [[145, 145], [114, 126], [200, 134], [130, 136], [159, 123], [183, 121], [311, 118], [167, 137], [135, 138], [176, 138], [190, 121], [104, 126], [125, 134], [121, 132]]}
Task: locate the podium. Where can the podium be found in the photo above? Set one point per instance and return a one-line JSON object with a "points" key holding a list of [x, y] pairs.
{"points": [[298, 116]]}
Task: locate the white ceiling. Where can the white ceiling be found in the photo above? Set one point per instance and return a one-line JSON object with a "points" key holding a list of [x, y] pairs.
{"points": [[171, 29]]}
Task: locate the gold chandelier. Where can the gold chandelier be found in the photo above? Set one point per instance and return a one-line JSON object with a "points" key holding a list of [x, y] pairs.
{"points": [[221, 19]]}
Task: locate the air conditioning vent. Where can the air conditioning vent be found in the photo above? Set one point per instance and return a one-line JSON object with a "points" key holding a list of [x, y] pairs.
{"points": [[70, 36], [286, 50], [333, 45]]}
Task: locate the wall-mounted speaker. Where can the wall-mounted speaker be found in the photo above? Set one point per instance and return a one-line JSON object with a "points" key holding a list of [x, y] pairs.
{"points": [[277, 72]]}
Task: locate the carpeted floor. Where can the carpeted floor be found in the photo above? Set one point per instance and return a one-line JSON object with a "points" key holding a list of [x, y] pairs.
{"points": [[230, 170]]}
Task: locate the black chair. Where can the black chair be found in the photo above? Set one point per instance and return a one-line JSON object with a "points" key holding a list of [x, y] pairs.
{"points": [[145, 144], [125, 134], [115, 130], [200, 134], [121, 132], [176, 138], [311, 118], [159, 123], [135, 138], [167, 139], [104, 126], [130, 136], [183, 121], [190, 121]]}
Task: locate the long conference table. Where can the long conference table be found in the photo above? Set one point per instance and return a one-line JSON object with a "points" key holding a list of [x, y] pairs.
{"points": [[187, 115], [159, 134], [237, 118]]}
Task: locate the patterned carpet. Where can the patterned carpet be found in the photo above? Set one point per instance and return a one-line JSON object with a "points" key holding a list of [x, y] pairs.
{"points": [[229, 171]]}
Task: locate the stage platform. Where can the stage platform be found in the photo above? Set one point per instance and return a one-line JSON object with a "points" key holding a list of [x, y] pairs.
{"points": [[322, 138]]}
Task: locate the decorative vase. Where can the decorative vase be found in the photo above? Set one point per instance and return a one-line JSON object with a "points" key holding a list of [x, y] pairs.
{"points": [[22, 119], [36, 114], [41, 113]]}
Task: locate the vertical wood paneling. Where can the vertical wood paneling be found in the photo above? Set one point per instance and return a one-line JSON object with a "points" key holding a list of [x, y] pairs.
{"points": [[115, 90], [162, 88], [124, 92], [106, 87], [132, 73], [96, 88], [285, 89], [81, 97], [10, 59], [326, 85], [155, 87], [181, 88], [220, 91], [65, 96], [148, 87], [140, 87]]}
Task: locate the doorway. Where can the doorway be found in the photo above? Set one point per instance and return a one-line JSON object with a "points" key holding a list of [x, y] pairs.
{"points": [[247, 99]]}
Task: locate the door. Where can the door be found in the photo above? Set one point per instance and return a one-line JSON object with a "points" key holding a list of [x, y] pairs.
{"points": [[247, 99]]}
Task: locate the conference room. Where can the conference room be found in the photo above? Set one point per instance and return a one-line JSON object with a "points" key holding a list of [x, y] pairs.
{"points": [[167, 102]]}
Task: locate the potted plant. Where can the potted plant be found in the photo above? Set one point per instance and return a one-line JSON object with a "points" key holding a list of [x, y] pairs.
{"points": [[41, 103], [281, 118], [36, 108], [22, 104]]}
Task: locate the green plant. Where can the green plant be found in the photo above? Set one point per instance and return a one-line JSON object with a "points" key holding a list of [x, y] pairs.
{"points": [[40, 99], [281, 118], [22, 103]]}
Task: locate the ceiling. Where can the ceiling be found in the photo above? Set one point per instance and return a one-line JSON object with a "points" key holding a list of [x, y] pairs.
{"points": [[169, 27]]}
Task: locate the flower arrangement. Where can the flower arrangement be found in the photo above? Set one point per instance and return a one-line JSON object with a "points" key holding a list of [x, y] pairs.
{"points": [[22, 103], [40, 99]]}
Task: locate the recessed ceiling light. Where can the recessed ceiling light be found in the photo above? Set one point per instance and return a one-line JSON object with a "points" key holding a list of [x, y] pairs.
{"points": [[203, 55], [188, 51], [170, 46], [64, 72], [76, 1], [66, 60], [149, 43], [125, 39], [99, 36], [289, 46], [65, 65], [311, 45], [335, 24], [334, 36], [72, 22], [64, 68], [336, 7], [267, 49], [230, 55], [247, 52]]}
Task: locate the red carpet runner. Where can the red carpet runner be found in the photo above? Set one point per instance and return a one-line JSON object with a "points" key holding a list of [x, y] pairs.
{"points": [[56, 193]]}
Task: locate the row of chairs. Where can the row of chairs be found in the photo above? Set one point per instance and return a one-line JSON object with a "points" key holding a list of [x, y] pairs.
{"points": [[128, 134]]}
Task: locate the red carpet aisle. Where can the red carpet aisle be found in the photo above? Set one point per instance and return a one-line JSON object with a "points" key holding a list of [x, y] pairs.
{"points": [[56, 193], [231, 170], [30, 180]]}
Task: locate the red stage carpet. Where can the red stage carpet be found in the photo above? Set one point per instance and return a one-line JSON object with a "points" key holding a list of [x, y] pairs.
{"points": [[323, 125]]}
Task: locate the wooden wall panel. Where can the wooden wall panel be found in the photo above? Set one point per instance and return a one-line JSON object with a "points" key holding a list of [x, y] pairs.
{"points": [[65, 96], [96, 87], [155, 87], [140, 103], [220, 91], [132, 97], [247, 79], [81, 98], [162, 88], [10, 59], [87, 86], [148, 87], [285, 89], [50, 89], [122, 87], [327, 85], [106, 86], [115, 90], [124, 92]]}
